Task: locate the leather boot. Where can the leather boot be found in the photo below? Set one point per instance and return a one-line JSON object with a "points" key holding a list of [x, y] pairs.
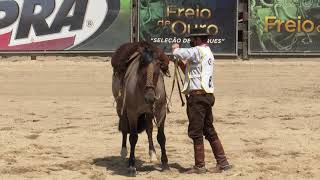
{"points": [[218, 152], [199, 167]]}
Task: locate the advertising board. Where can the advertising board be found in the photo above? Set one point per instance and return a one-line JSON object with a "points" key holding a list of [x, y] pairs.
{"points": [[284, 27], [164, 22], [64, 25]]}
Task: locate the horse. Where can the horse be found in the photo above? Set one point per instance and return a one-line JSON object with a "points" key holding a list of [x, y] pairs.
{"points": [[139, 90]]}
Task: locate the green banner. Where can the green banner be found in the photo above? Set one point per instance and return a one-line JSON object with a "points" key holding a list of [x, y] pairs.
{"points": [[284, 26], [164, 22]]}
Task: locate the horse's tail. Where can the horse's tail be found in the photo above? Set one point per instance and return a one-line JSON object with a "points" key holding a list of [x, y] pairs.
{"points": [[142, 123]]}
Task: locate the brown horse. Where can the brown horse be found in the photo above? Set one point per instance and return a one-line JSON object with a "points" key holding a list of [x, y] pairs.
{"points": [[139, 90]]}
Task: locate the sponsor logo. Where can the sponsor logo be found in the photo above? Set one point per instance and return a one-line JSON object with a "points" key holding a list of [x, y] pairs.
{"points": [[53, 24], [291, 26]]}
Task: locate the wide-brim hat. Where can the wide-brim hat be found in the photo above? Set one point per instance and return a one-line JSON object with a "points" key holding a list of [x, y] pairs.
{"points": [[198, 33]]}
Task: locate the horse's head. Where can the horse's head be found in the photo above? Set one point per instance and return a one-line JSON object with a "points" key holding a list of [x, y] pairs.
{"points": [[153, 61]]}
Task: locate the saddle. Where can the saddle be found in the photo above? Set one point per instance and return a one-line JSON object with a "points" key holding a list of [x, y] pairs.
{"points": [[121, 69], [120, 74]]}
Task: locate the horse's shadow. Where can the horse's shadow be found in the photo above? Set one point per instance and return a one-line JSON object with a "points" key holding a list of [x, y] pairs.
{"points": [[118, 165]]}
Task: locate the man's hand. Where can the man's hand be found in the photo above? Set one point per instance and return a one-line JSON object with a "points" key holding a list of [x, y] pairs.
{"points": [[174, 59], [175, 46]]}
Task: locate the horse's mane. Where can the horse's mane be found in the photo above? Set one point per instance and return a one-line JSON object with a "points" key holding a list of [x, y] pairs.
{"points": [[125, 51]]}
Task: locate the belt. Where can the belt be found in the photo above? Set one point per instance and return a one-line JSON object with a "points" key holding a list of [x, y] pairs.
{"points": [[197, 92]]}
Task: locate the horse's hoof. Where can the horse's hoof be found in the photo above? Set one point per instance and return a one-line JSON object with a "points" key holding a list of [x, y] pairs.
{"points": [[165, 167], [153, 157], [123, 153], [132, 171]]}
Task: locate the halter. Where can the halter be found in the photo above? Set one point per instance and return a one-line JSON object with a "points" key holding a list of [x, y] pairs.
{"points": [[149, 82]]}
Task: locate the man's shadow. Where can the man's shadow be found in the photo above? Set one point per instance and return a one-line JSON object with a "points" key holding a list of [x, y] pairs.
{"points": [[119, 166]]}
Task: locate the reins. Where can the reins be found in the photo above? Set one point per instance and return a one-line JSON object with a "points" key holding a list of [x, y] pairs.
{"points": [[176, 79]]}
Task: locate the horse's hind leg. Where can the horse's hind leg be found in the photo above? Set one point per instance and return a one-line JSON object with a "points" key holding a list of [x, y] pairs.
{"points": [[152, 151], [124, 150], [132, 160], [162, 141]]}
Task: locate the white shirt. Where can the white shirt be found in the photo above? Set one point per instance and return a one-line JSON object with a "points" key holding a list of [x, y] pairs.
{"points": [[199, 71]]}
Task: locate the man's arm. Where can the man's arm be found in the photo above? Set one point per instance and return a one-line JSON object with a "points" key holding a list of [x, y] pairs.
{"points": [[187, 54], [182, 54]]}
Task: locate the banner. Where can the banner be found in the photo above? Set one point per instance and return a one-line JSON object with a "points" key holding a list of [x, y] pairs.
{"points": [[164, 22], [64, 25], [284, 26]]}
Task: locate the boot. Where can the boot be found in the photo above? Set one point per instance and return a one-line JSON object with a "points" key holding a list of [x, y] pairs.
{"points": [[199, 167], [218, 152]]}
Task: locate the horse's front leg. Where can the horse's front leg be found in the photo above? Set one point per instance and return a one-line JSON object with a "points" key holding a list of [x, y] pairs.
{"points": [[152, 151], [132, 160], [124, 150], [161, 137], [161, 114]]}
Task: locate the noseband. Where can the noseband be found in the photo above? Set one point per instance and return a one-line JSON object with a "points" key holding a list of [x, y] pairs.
{"points": [[149, 82]]}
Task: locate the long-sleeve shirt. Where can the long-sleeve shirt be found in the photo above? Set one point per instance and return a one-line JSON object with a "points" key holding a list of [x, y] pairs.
{"points": [[199, 69]]}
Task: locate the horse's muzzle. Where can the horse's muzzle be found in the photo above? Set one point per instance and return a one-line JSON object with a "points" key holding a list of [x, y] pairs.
{"points": [[150, 96]]}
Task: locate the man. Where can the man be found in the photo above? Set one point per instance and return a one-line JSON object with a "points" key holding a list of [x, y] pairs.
{"points": [[197, 62]]}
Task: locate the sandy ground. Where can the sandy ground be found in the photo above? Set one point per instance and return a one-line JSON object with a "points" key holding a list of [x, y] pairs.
{"points": [[58, 121]]}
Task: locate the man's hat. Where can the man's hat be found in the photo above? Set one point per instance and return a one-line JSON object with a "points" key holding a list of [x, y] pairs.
{"points": [[199, 32]]}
